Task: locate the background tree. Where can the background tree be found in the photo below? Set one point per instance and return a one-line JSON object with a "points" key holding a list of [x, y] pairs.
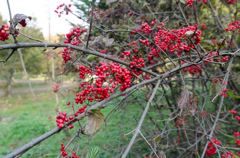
{"points": [[34, 56]]}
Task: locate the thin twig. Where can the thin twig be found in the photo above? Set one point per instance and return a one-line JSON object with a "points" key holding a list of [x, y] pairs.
{"points": [[90, 28], [141, 121]]}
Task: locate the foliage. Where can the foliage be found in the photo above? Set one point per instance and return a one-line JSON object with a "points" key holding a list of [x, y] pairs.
{"points": [[35, 56]]}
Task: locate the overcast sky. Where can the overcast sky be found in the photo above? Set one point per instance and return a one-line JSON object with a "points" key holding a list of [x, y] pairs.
{"points": [[39, 9]]}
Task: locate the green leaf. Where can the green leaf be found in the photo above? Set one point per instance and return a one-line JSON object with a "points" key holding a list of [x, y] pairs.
{"points": [[93, 153], [91, 57], [233, 95], [158, 139], [208, 42], [213, 3], [183, 1], [116, 47]]}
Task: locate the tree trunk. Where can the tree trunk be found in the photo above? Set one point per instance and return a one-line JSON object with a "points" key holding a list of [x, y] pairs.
{"points": [[8, 90]]}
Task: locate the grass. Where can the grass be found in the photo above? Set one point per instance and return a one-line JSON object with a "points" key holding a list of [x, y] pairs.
{"points": [[22, 120], [21, 76], [25, 85]]}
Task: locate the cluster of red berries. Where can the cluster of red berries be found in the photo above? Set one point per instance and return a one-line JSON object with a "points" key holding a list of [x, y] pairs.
{"points": [[237, 135], [74, 35], [172, 41], [232, 111], [66, 54], [211, 148], [153, 22], [179, 122], [223, 90], [211, 55], [138, 62], [80, 110], [127, 53], [229, 153], [73, 38], [146, 42], [90, 93], [65, 154], [237, 117], [233, 26], [96, 11], [111, 72], [192, 69], [225, 58], [61, 118], [237, 141], [66, 8], [203, 114], [55, 89], [190, 2], [224, 94], [199, 25], [231, 1], [147, 77], [83, 70], [210, 58], [179, 137], [216, 80], [145, 28], [120, 74], [3, 32]]}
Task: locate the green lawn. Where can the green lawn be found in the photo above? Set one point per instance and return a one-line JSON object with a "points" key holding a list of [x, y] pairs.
{"points": [[24, 85], [21, 120]]}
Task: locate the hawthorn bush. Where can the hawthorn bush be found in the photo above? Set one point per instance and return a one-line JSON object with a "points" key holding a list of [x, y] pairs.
{"points": [[171, 67]]}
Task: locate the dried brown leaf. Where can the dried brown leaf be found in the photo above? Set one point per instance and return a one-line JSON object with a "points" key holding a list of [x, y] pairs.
{"points": [[108, 41], [188, 102], [95, 120], [20, 18]]}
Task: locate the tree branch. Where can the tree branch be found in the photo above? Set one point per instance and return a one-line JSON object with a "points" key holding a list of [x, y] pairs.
{"points": [[28, 45], [141, 121]]}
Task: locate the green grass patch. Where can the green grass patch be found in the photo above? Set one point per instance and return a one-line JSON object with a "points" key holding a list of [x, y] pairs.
{"points": [[22, 120]]}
